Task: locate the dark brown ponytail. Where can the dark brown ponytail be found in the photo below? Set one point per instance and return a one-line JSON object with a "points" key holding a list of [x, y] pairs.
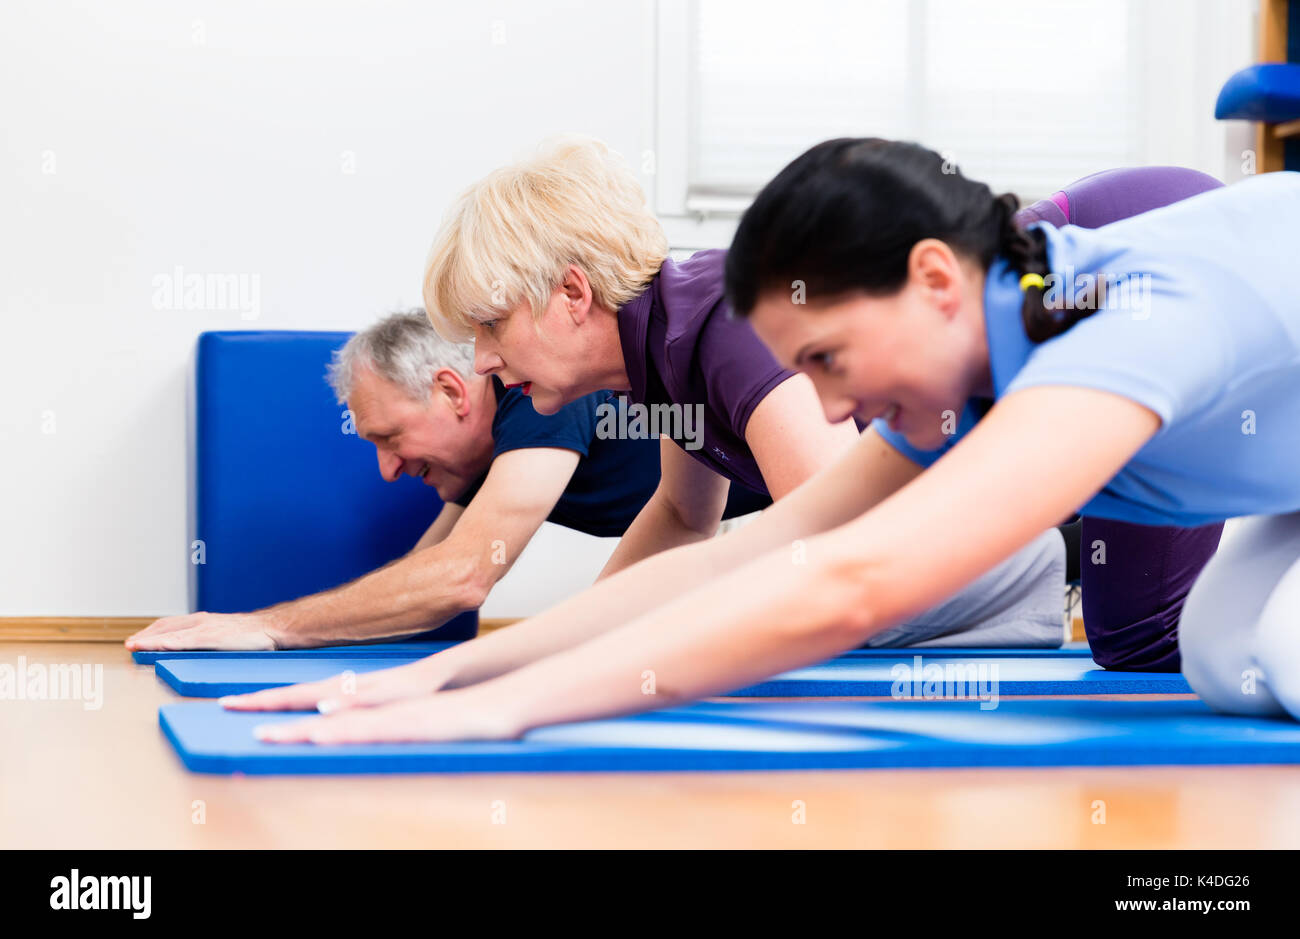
{"points": [[1025, 250]]}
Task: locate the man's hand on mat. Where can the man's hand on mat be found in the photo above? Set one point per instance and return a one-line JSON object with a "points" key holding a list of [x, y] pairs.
{"points": [[345, 691], [223, 631], [440, 718]]}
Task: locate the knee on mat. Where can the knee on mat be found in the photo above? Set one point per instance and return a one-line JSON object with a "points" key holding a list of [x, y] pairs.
{"points": [[1277, 642], [1220, 664], [1229, 679], [1149, 644]]}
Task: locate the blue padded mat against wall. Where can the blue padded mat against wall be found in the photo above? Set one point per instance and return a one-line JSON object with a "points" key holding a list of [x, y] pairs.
{"points": [[286, 503], [1268, 92], [847, 676], [750, 735]]}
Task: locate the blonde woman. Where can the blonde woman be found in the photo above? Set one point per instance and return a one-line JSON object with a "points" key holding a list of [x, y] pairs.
{"points": [[558, 270]]}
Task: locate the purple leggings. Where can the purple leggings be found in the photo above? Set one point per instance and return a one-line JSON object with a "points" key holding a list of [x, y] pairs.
{"points": [[1132, 601]]}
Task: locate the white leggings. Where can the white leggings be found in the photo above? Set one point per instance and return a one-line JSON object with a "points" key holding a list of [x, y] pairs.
{"points": [[1239, 636]]}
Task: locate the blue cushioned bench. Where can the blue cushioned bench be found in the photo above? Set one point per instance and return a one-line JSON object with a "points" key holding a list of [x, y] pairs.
{"points": [[286, 501]]}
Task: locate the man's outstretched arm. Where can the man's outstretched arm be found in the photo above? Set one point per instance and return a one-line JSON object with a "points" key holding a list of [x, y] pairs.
{"points": [[417, 592]]}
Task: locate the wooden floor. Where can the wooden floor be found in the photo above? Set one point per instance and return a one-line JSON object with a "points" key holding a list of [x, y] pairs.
{"points": [[73, 778]]}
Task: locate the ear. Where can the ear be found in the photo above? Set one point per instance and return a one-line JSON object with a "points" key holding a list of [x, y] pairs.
{"points": [[575, 293], [935, 270], [455, 389]]}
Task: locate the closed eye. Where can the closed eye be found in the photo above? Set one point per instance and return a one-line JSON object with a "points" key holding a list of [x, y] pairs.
{"points": [[826, 360]]}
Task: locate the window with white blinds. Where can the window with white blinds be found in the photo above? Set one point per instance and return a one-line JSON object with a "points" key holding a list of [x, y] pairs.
{"points": [[1023, 94]]}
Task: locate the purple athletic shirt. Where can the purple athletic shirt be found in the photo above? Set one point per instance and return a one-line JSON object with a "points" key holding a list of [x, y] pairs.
{"points": [[682, 346]]}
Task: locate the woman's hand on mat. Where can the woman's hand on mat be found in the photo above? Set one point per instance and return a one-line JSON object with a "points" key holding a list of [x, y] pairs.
{"points": [[348, 690], [225, 631], [463, 714]]}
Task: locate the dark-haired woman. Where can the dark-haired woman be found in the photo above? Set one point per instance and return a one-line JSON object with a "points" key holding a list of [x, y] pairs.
{"points": [[1169, 343], [912, 298]]}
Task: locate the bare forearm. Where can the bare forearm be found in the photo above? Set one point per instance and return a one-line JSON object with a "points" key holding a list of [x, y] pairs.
{"points": [[862, 577], [856, 482], [440, 528], [654, 531], [420, 591], [607, 605], [428, 540], [769, 616]]}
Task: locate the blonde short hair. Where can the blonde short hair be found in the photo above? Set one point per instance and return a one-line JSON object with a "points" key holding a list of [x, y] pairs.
{"points": [[509, 238]]}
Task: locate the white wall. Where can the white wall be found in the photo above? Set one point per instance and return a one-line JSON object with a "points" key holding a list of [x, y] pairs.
{"points": [[215, 136], [314, 146]]}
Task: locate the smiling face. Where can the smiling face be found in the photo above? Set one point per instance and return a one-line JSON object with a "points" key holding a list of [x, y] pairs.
{"points": [[909, 357], [445, 440], [571, 351]]}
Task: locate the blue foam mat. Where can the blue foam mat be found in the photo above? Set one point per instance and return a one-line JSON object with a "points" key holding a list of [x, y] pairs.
{"points": [[748, 735], [212, 678], [846, 676], [849, 676], [402, 649], [378, 650]]}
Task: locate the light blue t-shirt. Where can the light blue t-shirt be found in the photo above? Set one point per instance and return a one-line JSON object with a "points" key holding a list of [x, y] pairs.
{"points": [[1201, 325]]}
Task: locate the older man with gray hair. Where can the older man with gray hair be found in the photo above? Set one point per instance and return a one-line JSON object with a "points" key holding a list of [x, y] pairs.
{"points": [[500, 467]]}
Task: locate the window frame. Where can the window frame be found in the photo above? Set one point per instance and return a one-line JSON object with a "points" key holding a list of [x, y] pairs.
{"points": [[695, 221]]}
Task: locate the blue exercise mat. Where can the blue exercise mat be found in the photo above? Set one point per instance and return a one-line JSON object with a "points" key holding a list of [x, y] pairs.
{"points": [[212, 678], [403, 649], [846, 676], [378, 650], [856, 676], [750, 735]]}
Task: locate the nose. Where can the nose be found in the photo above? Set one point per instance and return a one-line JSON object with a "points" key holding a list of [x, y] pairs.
{"points": [[837, 407], [837, 410], [486, 361], [390, 465]]}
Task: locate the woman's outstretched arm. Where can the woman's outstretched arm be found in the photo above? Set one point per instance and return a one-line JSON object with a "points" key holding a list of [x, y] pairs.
{"points": [[1003, 484]]}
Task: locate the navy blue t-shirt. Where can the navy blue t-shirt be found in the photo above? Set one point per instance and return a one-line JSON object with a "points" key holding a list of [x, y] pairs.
{"points": [[614, 478]]}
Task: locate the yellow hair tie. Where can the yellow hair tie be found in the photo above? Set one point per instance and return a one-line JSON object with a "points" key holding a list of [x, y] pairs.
{"points": [[1032, 280]]}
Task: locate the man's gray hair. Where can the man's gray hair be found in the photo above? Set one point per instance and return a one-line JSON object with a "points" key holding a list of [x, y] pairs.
{"points": [[402, 348]]}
